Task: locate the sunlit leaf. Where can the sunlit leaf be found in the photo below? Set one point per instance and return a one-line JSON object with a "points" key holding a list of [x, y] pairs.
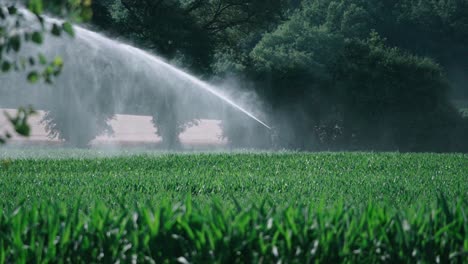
{"points": [[36, 6], [58, 61], [68, 28]]}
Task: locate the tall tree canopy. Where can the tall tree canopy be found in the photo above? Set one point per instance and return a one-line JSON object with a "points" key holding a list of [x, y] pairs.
{"points": [[348, 74], [345, 87], [189, 31], [332, 74]]}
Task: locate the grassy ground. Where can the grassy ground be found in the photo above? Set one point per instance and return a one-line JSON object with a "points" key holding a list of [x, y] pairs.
{"points": [[397, 180], [87, 206]]}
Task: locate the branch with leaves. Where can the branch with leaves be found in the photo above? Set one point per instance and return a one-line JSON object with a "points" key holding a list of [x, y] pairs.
{"points": [[24, 23], [19, 123]]}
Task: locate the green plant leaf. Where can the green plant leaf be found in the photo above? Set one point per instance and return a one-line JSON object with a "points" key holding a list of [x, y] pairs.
{"points": [[58, 61], [42, 59], [56, 31], [12, 10], [33, 77], [37, 37], [15, 43], [36, 6], [67, 27], [6, 66]]}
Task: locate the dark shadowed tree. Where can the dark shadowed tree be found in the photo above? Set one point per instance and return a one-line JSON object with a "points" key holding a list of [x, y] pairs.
{"points": [[169, 120], [330, 88]]}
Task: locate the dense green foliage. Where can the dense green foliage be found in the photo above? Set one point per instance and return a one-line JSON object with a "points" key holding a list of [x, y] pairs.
{"points": [[189, 32], [333, 74], [243, 208]]}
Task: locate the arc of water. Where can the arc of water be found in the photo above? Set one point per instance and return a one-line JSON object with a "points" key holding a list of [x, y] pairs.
{"points": [[205, 86], [201, 84], [211, 90]]}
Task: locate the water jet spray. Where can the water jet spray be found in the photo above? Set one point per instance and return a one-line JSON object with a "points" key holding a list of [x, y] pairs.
{"points": [[89, 50]]}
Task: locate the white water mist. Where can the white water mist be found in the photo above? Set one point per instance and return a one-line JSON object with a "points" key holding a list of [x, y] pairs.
{"points": [[103, 77]]}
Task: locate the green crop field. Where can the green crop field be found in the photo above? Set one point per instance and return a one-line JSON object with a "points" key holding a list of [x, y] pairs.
{"points": [[244, 207]]}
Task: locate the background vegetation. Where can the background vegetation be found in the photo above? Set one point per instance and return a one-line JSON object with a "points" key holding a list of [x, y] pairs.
{"points": [[331, 74], [334, 74]]}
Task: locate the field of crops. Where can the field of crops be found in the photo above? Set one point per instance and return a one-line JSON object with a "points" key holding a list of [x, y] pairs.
{"points": [[244, 207]]}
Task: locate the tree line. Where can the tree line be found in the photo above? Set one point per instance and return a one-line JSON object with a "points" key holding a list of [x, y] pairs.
{"points": [[335, 74], [332, 74]]}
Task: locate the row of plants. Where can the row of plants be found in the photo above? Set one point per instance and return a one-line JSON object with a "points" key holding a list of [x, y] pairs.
{"points": [[391, 179], [186, 233]]}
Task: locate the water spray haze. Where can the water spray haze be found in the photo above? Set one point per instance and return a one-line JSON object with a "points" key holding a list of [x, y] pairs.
{"points": [[199, 83], [213, 91], [103, 77]]}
